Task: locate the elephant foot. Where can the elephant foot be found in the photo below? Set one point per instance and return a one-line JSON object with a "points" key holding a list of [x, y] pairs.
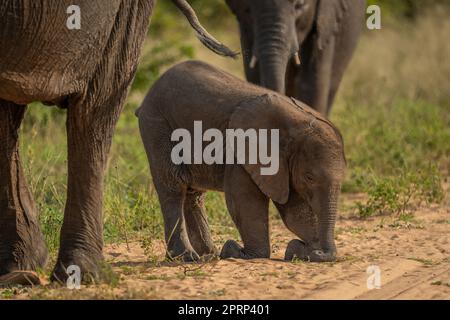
{"points": [[297, 249], [89, 265], [231, 249], [18, 262], [205, 250], [20, 277], [188, 255]]}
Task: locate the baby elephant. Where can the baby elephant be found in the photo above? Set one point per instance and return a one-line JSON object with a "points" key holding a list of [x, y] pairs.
{"points": [[295, 157]]}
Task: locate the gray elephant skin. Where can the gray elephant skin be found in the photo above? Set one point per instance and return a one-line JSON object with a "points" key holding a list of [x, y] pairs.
{"points": [[276, 35], [305, 188], [88, 72]]}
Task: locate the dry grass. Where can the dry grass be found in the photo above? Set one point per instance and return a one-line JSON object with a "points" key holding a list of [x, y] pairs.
{"points": [[403, 60]]}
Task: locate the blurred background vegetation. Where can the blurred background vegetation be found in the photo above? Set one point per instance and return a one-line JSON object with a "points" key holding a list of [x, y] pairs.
{"points": [[393, 110]]}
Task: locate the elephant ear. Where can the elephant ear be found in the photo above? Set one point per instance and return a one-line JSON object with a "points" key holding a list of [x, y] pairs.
{"points": [[262, 113], [330, 14]]}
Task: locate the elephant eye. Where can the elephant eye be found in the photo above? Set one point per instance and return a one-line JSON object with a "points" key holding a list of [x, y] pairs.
{"points": [[299, 4], [309, 178]]}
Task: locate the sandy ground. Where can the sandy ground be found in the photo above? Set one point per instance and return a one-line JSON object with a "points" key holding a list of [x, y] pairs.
{"points": [[414, 260], [413, 257]]}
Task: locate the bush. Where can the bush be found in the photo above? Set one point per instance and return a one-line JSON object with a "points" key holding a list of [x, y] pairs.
{"points": [[397, 195]]}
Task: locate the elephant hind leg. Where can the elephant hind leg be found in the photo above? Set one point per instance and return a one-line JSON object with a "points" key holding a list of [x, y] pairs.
{"points": [[197, 223], [179, 246], [22, 245]]}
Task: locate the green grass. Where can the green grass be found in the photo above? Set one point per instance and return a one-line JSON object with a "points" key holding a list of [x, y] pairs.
{"points": [[403, 135], [394, 113], [398, 154], [398, 194]]}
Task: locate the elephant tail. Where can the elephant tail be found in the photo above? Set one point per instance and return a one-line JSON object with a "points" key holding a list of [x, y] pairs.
{"points": [[203, 35]]}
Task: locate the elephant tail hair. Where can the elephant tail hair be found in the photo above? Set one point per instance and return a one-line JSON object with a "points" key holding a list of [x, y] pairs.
{"points": [[202, 34]]}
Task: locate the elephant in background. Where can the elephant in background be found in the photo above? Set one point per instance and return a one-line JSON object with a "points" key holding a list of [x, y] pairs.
{"points": [[88, 72], [304, 187], [299, 47]]}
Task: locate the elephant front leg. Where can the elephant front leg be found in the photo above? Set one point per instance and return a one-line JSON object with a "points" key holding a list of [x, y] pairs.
{"points": [[22, 245], [89, 133], [249, 208]]}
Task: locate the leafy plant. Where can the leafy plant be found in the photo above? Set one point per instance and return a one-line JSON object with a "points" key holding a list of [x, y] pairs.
{"points": [[396, 195]]}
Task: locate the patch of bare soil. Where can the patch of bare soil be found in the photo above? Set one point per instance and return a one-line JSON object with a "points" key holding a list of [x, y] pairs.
{"points": [[413, 257]]}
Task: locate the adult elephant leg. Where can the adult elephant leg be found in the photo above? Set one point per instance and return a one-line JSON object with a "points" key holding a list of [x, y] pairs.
{"points": [[250, 213], [22, 245], [345, 44], [341, 61], [314, 77], [197, 223], [291, 75], [90, 127], [91, 118]]}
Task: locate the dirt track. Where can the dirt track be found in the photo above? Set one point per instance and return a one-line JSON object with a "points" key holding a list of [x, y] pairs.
{"points": [[413, 256], [414, 259]]}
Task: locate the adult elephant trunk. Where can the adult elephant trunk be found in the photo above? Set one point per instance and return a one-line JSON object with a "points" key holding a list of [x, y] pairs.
{"points": [[203, 35], [273, 71], [275, 43]]}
